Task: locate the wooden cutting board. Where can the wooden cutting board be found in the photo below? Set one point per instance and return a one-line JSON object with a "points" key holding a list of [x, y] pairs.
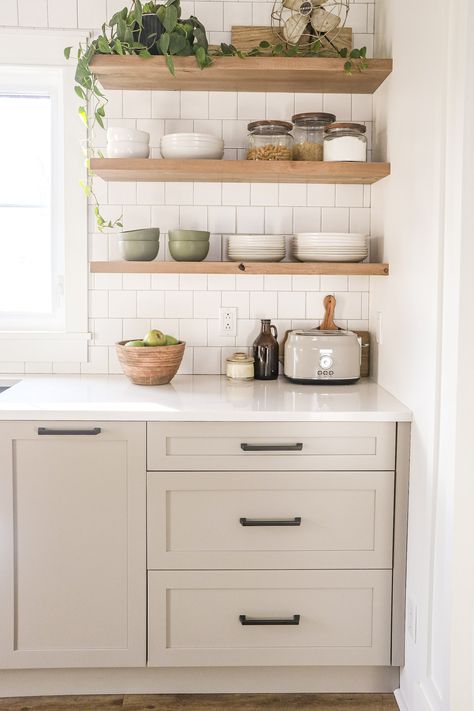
{"points": [[247, 37], [327, 324]]}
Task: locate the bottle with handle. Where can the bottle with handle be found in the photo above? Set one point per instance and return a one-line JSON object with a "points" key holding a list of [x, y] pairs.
{"points": [[266, 351]]}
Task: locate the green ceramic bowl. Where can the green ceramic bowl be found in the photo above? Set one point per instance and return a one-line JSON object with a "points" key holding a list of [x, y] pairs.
{"points": [[151, 234], [188, 236], [189, 250], [139, 250]]}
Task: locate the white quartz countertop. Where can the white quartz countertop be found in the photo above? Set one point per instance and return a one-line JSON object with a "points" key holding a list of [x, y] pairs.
{"points": [[194, 398]]}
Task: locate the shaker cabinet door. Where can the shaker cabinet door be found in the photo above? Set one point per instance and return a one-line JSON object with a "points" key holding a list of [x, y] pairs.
{"points": [[72, 544]]}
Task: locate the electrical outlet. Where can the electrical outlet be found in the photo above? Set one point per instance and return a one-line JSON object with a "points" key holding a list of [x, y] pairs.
{"points": [[379, 332], [228, 321], [412, 614]]}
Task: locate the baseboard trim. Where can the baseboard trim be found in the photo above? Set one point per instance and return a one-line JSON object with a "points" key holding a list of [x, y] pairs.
{"points": [[49, 682], [400, 700]]}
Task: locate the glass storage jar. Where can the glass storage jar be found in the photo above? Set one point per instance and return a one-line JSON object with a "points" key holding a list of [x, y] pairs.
{"points": [[345, 142], [270, 140], [308, 134]]}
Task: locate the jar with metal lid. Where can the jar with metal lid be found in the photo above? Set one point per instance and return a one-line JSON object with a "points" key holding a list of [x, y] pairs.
{"points": [[345, 142], [308, 134], [270, 140], [239, 366]]}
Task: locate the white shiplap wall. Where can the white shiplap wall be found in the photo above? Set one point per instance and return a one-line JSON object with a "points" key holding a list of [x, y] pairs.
{"points": [[125, 306]]}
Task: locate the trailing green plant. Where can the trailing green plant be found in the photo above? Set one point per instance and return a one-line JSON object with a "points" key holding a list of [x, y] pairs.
{"points": [[121, 36], [355, 58]]}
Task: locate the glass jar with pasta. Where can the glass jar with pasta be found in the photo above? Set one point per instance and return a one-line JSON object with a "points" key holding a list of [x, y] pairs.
{"points": [[270, 140]]}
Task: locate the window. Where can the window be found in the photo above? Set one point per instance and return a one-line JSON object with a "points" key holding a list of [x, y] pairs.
{"points": [[32, 260], [43, 213]]}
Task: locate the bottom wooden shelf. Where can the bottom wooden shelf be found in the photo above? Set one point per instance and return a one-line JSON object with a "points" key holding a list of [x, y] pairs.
{"points": [[329, 268]]}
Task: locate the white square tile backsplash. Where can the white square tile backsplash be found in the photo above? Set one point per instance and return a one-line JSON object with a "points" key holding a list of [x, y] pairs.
{"points": [[125, 306]]}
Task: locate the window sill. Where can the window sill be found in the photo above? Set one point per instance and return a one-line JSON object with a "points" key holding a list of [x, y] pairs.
{"points": [[40, 346]]}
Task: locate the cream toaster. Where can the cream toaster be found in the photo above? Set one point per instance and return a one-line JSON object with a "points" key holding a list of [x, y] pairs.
{"points": [[322, 357]]}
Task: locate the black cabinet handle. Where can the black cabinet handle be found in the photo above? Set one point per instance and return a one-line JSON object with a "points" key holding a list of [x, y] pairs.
{"points": [[296, 521], [53, 431], [244, 620], [272, 447]]}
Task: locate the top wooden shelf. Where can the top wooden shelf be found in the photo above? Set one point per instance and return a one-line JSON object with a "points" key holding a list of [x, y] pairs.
{"points": [[262, 74]]}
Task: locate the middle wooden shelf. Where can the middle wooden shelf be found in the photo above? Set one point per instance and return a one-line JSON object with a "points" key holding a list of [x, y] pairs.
{"points": [[208, 267], [237, 171]]}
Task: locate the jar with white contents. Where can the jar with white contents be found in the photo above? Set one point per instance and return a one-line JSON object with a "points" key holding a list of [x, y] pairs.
{"points": [[345, 142]]}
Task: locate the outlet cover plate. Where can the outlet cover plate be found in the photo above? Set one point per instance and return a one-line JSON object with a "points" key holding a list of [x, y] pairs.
{"points": [[228, 321]]}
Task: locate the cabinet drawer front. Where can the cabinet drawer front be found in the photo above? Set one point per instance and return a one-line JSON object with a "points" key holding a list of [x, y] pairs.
{"points": [[263, 520], [296, 618], [212, 446]]}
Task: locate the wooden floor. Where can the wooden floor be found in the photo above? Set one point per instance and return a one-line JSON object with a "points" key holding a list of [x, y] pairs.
{"points": [[214, 702]]}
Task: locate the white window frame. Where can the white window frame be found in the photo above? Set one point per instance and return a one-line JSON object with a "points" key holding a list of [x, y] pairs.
{"points": [[44, 49]]}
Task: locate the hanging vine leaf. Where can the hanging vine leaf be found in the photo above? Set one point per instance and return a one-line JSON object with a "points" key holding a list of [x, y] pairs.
{"points": [[170, 64], [170, 18]]}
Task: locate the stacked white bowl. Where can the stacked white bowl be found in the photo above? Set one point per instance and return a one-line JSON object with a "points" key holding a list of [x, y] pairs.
{"points": [[330, 247], [127, 143], [191, 145], [256, 248]]}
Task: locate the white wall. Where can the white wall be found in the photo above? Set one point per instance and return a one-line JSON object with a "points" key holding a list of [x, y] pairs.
{"points": [[187, 305], [419, 124]]}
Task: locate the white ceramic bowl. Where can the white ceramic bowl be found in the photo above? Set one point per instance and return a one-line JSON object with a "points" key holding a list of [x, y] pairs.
{"points": [[127, 134], [188, 152], [182, 138], [127, 149]]}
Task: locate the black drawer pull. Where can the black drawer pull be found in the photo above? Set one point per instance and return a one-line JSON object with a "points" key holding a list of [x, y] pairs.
{"points": [[244, 620], [272, 447], [296, 521], [53, 431]]}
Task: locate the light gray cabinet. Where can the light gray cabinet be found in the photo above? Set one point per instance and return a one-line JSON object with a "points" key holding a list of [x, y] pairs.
{"points": [[266, 544], [72, 557]]}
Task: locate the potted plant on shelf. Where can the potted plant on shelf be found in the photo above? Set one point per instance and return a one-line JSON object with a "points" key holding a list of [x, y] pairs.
{"points": [[143, 30]]}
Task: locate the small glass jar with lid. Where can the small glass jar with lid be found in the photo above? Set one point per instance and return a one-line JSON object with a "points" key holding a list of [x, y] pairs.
{"points": [[270, 140], [239, 366], [308, 134], [345, 142]]}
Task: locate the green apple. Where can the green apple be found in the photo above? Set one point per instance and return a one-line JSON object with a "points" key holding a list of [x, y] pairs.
{"points": [[171, 341], [136, 344], [155, 338]]}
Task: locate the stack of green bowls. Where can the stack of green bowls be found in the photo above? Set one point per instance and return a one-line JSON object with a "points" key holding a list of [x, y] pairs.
{"points": [[140, 245], [189, 245]]}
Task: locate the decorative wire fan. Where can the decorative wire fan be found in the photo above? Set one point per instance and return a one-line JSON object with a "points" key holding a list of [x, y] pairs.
{"points": [[303, 22]]}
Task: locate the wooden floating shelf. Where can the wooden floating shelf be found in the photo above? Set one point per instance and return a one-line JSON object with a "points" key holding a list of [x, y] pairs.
{"points": [[291, 74], [326, 268], [237, 171]]}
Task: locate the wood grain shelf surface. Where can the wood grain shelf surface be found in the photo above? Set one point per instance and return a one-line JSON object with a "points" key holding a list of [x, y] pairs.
{"points": [[326, 268], [293, 74], [237, 171]]}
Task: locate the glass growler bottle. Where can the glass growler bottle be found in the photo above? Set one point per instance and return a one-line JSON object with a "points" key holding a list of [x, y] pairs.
{"points": [[265, 352]]}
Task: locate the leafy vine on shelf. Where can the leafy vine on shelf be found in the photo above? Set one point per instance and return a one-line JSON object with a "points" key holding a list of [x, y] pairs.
{"points": [[355, 58]]}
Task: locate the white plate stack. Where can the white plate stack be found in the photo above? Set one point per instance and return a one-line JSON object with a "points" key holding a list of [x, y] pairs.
{"points": [[191, 145], [256, 248], [330, 247]]}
